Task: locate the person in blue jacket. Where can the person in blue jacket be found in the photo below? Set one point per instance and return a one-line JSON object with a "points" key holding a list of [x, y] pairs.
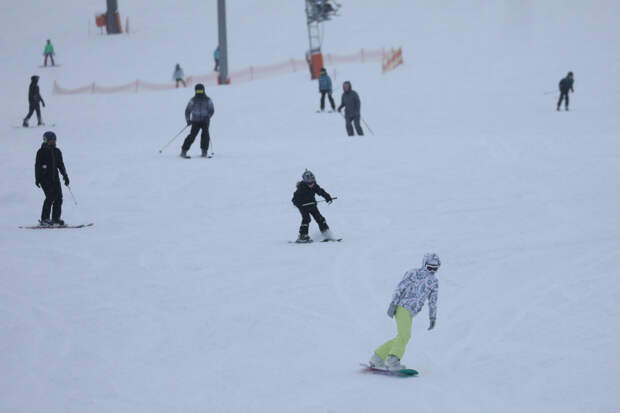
{"points": [[216, 57], [325, 88]]}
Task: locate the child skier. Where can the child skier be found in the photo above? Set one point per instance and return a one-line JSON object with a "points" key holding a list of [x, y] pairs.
{"points": [[416, 286], [304, 195]]}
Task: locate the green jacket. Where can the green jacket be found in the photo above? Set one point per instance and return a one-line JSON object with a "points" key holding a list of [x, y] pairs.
{"points": [[49, 49]]}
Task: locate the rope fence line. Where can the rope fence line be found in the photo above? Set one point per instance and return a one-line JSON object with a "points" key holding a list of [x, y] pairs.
{"points": [[244, 75]]}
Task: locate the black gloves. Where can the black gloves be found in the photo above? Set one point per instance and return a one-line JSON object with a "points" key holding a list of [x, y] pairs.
{"points": [[328, 199], [432, 325], [340, 109], [38, 184], [66, 178], [188, 122]]}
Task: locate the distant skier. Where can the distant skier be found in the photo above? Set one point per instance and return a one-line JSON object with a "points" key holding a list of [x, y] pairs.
{"points": [[352, 105], [198, 113], [304, 194], [178, 75], [48, 163], [566, 85], [48, 52], [216, 57], [34, 98], [416, 287], [325, 88]]}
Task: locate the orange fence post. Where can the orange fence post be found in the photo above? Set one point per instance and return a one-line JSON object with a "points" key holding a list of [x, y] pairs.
{"points": [[317, 64]]}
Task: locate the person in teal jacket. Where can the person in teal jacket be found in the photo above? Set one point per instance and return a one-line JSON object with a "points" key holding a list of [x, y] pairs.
{"points": [[325, 88], [49, 52], [216, 57]]}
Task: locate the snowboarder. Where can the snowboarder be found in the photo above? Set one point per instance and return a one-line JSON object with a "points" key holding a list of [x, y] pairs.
{"points": [[216, 57], [566, 85], [198, 113], [48, 163], [352, 105], [178, 75], [304, 195], [325, 88], [48, 52], [34, 98], [416, 287]]}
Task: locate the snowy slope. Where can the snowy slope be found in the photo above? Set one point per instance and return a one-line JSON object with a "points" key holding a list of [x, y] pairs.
{"points": [[186, 296]]}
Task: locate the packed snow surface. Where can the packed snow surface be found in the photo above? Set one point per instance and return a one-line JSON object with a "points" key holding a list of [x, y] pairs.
{"points": [[185, 295]]}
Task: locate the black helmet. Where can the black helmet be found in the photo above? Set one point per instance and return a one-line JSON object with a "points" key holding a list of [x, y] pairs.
{"points": [[308, 177], [323, 70], [49, 135], [199, 88], [570, 74], [347, 83], [34, 78]]}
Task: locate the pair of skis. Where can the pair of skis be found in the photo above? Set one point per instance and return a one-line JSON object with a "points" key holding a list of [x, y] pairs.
{"points": [[57, 226]]}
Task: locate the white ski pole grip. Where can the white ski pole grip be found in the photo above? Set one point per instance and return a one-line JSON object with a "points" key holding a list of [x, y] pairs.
{"points": [[316, 202]]}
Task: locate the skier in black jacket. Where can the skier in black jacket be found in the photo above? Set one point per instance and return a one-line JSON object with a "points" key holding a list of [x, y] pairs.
{"points": [[198, 113], [48, 163], [34, 98], [566, 85], [306, 189], [352, 105]]}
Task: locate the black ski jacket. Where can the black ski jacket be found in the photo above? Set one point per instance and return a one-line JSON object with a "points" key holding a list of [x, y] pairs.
{"points": [[566, 84], [34, 97], [305, 194], [48, 163]]}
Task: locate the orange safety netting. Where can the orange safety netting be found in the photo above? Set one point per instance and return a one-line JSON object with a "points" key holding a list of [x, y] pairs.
{"points": [[239, 76]]}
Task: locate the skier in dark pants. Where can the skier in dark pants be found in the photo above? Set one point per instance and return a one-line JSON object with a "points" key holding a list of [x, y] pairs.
{"points": [[34, 98], [48, 163], [198, 113], [306, 189], [325, 88], [352, 105], [566, 85]]}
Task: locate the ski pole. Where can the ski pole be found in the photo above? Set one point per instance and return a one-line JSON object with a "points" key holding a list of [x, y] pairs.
{"points": [[71, 192], [212, 146], [364, 120], [171, 140], [316, 202]]}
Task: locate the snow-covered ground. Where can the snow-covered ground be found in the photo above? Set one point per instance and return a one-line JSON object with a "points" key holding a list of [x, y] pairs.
{"points": [[186, 296]]}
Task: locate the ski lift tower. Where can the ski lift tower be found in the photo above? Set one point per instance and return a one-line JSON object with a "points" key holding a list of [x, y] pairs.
{"points": [[314, 57]]}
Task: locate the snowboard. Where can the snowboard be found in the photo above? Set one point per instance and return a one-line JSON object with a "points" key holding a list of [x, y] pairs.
{"points": [[57, 226], [393, 373]]}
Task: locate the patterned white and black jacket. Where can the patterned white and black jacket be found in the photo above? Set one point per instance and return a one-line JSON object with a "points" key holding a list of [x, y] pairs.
{"points": [[416, 286]]}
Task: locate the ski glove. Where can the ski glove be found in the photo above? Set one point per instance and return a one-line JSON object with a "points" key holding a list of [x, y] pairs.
{"points": [[38, 184], [329, 199], [391, 310], [188, 122], [432, 325], [66, 178]]}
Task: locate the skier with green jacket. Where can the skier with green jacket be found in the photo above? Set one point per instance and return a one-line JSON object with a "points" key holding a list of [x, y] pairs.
{"points": [[49, 52]]}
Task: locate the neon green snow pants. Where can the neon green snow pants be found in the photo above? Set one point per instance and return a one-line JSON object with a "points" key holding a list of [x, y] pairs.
{"points": [[397, 345]]}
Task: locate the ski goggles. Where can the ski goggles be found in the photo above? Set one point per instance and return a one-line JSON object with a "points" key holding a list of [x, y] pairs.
{"points": [[432, 268]]}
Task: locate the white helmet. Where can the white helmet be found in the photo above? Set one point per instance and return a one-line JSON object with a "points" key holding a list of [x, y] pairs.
{"points": [[308, 177]]}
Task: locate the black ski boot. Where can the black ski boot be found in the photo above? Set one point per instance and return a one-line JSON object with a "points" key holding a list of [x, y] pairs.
{"points": [[205, 153], [303, 239], [25, 123], [58, 221], [45, 222], [184, 154]]}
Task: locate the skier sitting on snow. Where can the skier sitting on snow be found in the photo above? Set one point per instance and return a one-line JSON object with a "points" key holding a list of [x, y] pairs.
{"points": [[416, 287], [306, 189]]}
